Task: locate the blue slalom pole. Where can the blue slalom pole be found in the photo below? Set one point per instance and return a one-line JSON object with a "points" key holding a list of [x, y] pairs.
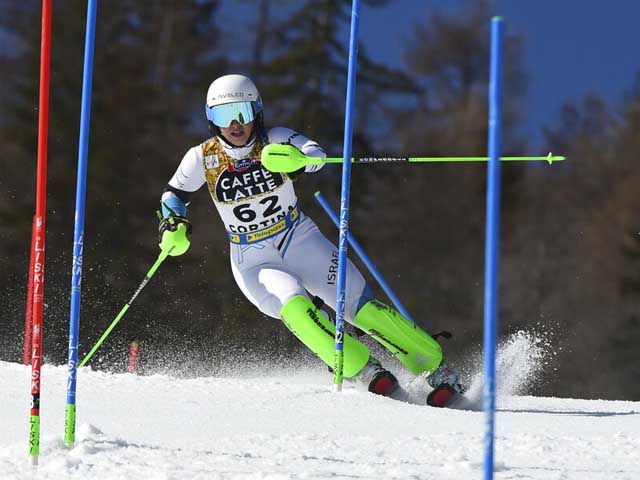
{"points": [[78, 236], [365, 258], [344, 201], [492, 244]]}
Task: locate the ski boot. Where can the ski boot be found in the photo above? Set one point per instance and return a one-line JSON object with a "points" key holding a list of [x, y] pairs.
{"points": [[447, 386], [378, 379]]}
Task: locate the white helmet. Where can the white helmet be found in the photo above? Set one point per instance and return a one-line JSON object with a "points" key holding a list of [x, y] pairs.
{"points": [[231, 88], [233, 97]]}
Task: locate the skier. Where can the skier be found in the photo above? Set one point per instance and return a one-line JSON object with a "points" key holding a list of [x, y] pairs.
{"points": [[280, 260]]}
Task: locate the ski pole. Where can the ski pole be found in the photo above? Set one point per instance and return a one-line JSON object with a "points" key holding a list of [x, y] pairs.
{"points": [[550, 158], [286, 158], [163, 255]]}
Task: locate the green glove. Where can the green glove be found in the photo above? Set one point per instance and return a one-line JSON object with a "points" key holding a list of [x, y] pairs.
{"points": [[173, 235]]}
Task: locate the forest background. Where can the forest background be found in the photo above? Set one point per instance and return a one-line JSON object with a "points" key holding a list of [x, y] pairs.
{"points": [[570, 234]]}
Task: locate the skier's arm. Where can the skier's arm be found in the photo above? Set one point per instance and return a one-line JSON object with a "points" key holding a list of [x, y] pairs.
{"points": [[175, 200], [189, 177], [307, 146], [174, 227]]}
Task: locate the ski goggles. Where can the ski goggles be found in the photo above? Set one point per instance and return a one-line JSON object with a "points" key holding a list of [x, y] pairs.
{"points": [[223, 115]]}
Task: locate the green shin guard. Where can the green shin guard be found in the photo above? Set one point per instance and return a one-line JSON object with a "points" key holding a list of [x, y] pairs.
{"points": [[314, 330], [417, 351]]}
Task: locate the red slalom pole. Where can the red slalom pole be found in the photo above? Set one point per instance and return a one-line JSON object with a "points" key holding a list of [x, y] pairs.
{"points": [[134, 349], [38, 235], [28, 316]]}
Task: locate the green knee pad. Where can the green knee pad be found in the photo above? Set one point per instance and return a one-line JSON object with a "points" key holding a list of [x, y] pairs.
{"points": [[409, 343], [314, 330]]}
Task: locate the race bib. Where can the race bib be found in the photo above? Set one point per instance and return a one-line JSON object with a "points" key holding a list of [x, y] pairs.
{"points": [[249, 198]]}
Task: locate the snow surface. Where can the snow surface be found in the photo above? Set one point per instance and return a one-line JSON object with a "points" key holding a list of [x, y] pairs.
{"points": [[290, 424]]}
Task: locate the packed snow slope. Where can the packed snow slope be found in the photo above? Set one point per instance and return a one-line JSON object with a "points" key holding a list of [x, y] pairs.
{"points": [[290, 424]]}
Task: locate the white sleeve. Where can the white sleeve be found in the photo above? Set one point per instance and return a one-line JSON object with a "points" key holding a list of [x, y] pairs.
{"points": [[189, 176], [309, 147]]}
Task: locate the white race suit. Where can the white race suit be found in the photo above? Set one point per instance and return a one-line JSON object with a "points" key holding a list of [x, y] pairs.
{"points": [[276, 251]]}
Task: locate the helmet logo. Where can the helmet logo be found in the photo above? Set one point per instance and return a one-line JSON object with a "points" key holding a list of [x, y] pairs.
{"points": [[230, 95]]}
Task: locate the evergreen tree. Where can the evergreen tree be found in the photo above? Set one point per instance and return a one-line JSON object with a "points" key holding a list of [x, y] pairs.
{"points": [[153, 63], [301, 62], [575, 271]]}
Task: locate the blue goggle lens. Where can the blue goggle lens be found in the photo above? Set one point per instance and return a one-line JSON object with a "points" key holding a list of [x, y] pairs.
{"points": [[223, 115]]}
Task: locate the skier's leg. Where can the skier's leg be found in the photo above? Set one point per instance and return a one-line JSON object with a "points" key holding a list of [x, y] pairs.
{"points": [[270, 285], [414, 347], [312, 328], [314, 259], [278, 293], [247, 263], [308, 323], [316, 331], [417, 351]]}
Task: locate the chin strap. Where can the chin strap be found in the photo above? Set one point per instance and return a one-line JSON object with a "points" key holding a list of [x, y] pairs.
{"points": [[250, 142], [228, 144]]}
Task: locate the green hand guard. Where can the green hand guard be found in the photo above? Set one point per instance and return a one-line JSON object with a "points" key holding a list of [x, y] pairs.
{"points": [[278, 157], [174, 231]]}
